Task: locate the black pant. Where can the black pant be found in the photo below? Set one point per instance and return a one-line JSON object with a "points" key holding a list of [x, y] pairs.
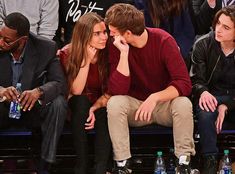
{"points": [[207, 127], [80, 106], [50, 118]]}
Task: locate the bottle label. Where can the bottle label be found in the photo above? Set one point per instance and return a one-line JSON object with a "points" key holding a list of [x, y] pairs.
{"points": [[160, 172], [225, 171], [14, 110], [15, 106]]}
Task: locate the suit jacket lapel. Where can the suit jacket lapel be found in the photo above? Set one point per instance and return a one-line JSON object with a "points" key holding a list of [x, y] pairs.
{"points": [[30, 63], [5, 70]]}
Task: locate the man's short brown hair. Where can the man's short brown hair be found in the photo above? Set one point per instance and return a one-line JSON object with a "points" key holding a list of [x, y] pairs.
{"points": [[125, 17], [228, 11]]}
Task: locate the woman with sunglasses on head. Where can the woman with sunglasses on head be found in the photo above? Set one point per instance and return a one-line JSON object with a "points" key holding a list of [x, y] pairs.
{"points": [[86, 67], [213, 74]]}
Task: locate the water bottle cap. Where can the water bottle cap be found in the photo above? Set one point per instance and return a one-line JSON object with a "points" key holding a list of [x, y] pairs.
{"points": [[18, 84], [159, 153], [226, 151]]}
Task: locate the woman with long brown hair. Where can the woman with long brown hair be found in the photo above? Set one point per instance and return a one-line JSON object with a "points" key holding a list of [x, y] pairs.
{"points": [[86, 68]]}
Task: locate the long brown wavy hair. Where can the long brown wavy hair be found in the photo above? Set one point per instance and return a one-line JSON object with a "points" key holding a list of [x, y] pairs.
{"points": [[82, 35], [160, 9]]}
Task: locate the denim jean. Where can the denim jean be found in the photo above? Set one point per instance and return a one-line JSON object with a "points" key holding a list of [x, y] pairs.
{"points": [[207, 128]]}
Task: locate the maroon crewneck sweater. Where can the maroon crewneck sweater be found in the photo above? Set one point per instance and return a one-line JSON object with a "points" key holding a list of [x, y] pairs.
{"points": [[153, 68]]}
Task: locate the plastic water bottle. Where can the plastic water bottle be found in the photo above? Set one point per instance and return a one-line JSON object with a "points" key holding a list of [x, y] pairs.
{"points": [[14, 111], [160, 167], [171, 162], [226, 166]]}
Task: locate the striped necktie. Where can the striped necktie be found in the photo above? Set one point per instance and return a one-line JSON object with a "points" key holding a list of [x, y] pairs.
{"points": [[227, 2]]}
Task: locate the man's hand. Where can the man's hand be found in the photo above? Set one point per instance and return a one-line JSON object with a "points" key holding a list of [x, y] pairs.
{"points": [[144, 113], [220, 119], [123, 64], [90, 120], [207, 102], [28, 98], [10, 93], [211, 3], [121, 44]]}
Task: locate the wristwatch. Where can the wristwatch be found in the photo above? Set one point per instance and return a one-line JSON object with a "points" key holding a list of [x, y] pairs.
{"points": [[41, 92]]}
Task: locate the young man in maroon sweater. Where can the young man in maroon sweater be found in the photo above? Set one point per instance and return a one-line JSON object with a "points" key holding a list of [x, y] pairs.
{"points": [[148, 84]]}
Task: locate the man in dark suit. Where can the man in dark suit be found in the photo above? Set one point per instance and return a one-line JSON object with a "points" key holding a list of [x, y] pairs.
{"points": [[31, 60]]}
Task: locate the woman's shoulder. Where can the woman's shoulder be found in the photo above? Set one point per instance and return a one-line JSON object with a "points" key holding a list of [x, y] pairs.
{"points": [[63, 55], [63, 51]]}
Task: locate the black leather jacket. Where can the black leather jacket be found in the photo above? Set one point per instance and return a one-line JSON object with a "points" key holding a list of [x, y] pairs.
{"points": [[206, 58]]}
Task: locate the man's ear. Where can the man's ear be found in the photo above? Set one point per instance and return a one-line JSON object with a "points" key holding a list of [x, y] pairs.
{"points": [[128, 32], [25, 38]]}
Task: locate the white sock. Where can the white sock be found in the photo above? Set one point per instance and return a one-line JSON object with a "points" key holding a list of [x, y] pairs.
{"points": [[121, 163], [183, 159]]}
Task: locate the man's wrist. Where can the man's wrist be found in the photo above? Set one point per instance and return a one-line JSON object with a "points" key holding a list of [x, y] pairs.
{"points": [[2, 98], [41, 92], [124, 53], [224, 107]]}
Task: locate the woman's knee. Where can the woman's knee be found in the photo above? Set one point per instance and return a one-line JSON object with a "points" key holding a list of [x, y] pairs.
{"points": [[101, 114], [78, 101]]}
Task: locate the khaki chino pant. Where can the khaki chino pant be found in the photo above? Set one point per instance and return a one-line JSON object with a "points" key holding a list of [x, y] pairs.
{"points": [[176, 113]]}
